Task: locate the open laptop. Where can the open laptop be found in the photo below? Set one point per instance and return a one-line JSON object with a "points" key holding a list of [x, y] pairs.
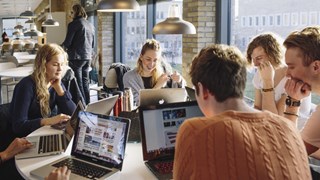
{"points": [[162, 96], [99, 148], [103, 106], [51, 144], [191, 93], [159, 126]]}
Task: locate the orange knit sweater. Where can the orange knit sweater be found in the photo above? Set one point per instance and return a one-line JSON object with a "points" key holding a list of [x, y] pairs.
{"points": [[244, 146]]}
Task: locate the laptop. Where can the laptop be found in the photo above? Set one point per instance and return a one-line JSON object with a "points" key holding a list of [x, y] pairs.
{"points": [[103, 106], [162, 96], [159, 126], [99, 148], [51, 144], [191, 93]]}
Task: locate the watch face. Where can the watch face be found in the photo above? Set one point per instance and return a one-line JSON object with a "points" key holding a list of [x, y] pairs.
{"points": [[289, 102]]}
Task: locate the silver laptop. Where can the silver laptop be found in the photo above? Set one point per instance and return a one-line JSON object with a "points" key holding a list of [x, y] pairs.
{"points": [[99, 148], [103, 106], [51, 144], [162, 96]]}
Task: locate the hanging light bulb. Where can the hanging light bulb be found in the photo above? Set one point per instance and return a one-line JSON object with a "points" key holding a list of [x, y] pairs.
{"points": [[49, 22], [118, 6], [174, 24]]}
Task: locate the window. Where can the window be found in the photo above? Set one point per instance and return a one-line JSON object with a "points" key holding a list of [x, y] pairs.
{"points": [[256, 20], [313, 18], [138, 23], [171, 44], [271, 20], [275, 18], [263, 20], [278, 19], [303, 18], [250, 21], [243, 21], [294, 19], [286, 19], [133, 20]]}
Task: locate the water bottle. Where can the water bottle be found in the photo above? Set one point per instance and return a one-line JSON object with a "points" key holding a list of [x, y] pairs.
{"points": [[128, 99], [118, 107]]}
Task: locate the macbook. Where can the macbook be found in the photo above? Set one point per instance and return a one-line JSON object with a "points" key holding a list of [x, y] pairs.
{"points": [[159, 126], [51, 144], [103, 106], [191, 93], [162, 96], [97, 151]]}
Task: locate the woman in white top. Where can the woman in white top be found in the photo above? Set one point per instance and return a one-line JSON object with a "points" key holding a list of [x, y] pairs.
{"points": [[265, 52]]}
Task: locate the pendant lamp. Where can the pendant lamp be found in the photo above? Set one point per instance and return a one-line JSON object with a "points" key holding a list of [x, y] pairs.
{"points": [[33, 31], [28, 13], [50, 22], [118, 6], [30, 21], [174, 24]]}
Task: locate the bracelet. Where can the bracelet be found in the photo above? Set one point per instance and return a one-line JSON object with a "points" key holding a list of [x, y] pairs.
{"points": [[290, 114], [267, 90]]}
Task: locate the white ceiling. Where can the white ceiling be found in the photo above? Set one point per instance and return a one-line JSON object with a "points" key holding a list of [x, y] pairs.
{"points": [[13, 8]]}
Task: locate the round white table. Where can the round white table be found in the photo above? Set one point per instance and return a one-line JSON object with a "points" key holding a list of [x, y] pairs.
{"points": [[133, 165]]}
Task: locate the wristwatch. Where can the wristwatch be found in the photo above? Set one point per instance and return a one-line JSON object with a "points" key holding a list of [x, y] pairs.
{"points": [[291, 102]]}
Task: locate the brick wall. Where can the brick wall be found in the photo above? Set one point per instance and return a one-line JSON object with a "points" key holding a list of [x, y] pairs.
{"points": [[105, 39], [202, 15]]}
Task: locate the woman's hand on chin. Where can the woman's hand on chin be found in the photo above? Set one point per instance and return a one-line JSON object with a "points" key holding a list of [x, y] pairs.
{"points": [[56, 84]]}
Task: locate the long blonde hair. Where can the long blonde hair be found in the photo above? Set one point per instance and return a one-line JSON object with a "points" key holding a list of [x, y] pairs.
{"points": [[151, 44], [44, 55]]}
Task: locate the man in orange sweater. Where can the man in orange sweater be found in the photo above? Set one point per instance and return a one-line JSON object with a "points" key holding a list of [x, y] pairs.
{"points": [[233, 140]]}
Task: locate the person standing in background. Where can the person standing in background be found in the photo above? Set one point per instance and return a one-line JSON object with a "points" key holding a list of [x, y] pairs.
{"points": [[5, 37], [79, 43]]}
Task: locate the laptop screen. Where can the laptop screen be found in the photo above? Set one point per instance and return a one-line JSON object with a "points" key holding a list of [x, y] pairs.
{"points": [[101, 139], [160, 124]]}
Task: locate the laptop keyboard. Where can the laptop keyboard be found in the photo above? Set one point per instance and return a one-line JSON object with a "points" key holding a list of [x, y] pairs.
{"points": [[83, 169], [165, 167], [49, 143]]}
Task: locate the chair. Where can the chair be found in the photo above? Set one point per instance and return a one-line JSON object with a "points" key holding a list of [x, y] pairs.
{"points": [[29, 47], [7, 81], [6, 47], [17, 48], [113, 80]]}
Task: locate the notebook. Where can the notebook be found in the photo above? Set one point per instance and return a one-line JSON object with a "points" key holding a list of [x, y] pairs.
{"points": [[162, 96], [159, 126], [51, 144], [103, 106], [99, 148], [191, 93]]}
